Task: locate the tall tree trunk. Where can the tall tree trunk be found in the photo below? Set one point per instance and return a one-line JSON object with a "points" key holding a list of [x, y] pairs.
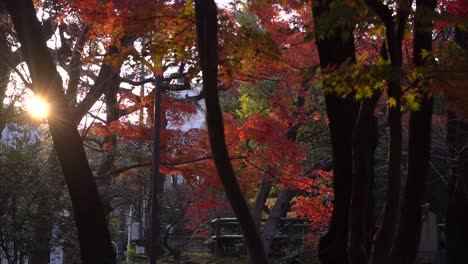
{"points": [[90, 221], [108, 156], [334, 49], [260, 200], [207, 28], [395, 28], [419, 147], [457, 211], [157, 181], [385, 235], [364, 142], [274, 218]]}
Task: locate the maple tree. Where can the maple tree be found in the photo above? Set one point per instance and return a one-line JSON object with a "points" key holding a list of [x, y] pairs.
{"points": [[290, 98]]}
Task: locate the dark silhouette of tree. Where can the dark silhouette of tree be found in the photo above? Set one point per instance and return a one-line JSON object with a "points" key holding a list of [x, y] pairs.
{"points": [[334, 49], [91, 224], [419, 145], [207, 28]]}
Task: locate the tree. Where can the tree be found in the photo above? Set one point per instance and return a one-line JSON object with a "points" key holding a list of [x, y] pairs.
{"points": [[28, 194], [91, 224], [206, 13], [334, 49], [383, 243], [419, 145]]}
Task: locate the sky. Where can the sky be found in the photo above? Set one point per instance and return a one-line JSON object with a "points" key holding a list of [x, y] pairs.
{"points": [[54, 42], [222, 2]]}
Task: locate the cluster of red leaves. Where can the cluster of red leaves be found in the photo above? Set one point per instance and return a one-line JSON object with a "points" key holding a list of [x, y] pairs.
{"points": [[314, 208], [317, 203], [285, 61], [114, 18], [455, 7], [269, 153]]}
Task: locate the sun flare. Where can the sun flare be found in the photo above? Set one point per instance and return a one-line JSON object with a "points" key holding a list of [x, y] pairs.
{"points": [[37, 107]]}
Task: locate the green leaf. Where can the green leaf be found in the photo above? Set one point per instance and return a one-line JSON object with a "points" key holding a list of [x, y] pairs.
{"points": [[391, 102]]}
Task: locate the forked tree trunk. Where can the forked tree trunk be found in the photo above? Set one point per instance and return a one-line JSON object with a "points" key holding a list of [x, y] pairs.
{"points": [[260, 201], [90, 221], [419, 147], [207, 29], [334, 49], [274, 218], [395, 27]]}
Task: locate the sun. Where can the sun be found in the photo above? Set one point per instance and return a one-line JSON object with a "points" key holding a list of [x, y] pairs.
{"points": [[37, 107]]}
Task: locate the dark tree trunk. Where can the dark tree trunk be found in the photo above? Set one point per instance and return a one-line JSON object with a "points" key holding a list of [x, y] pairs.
{"points": [[89, 215], [274, 218], [341, 113], [457, 212], [157, 181], [74, 67], [408, 236], [395, 27], [364, 143], [260, 200], [112, 115], [90, 221], [334, 49], [419, 147], [207, 28], [385, 234]]}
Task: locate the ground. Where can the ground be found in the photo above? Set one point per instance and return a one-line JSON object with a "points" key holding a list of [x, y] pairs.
{"points": [[202, 258]]}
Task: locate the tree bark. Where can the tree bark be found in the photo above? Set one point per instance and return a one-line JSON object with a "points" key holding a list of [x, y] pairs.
{"points": [[334, 49], [91, 224], [385, 234], [207, 28], [457, 211], [157, 179], [364, 143], [395, 27], [112, 84], [274, 218], [419, 147], [260, 200]]}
